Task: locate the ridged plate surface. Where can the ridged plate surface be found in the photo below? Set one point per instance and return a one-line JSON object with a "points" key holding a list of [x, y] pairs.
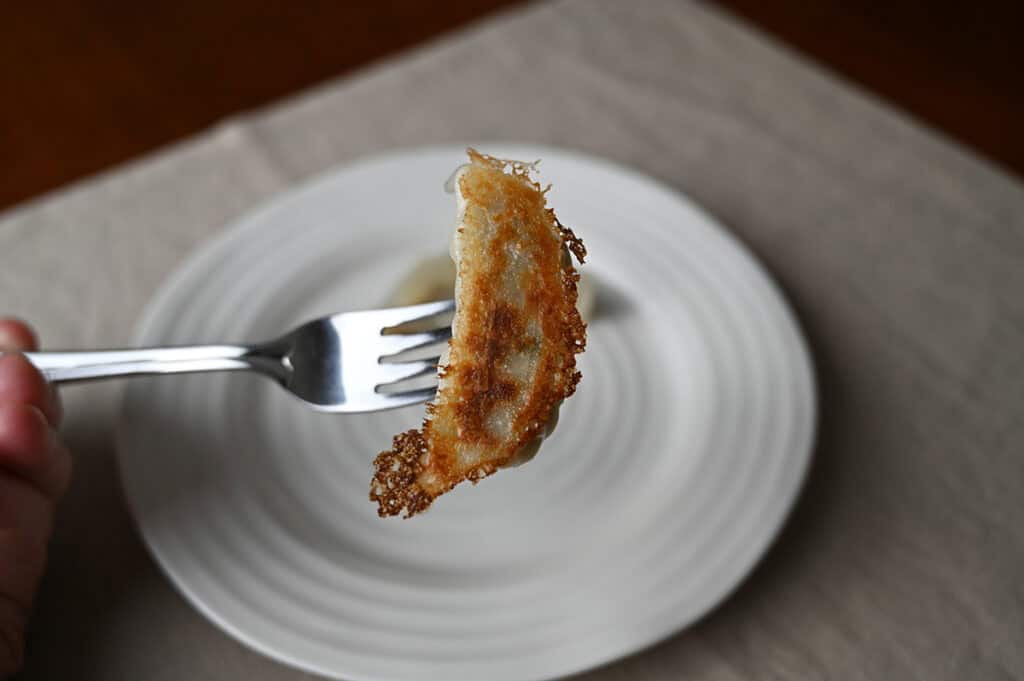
{"points": [[670, 473]]}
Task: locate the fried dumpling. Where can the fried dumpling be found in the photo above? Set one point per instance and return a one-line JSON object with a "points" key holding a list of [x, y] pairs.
{"points": [[516, 331]]}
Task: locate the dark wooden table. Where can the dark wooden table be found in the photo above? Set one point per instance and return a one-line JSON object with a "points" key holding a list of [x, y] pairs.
{"points": [[88, 84]]}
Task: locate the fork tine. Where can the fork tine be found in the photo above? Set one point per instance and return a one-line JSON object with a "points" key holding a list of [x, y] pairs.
{"points": [[403, 371], [398, 316], [394, 344], [410, 363], [394, 400]]}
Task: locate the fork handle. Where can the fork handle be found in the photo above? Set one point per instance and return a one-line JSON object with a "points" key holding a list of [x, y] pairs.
{"points": [[65, 367]]}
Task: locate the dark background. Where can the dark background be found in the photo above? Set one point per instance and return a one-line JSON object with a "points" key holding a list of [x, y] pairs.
{"points": [[87, 84]]}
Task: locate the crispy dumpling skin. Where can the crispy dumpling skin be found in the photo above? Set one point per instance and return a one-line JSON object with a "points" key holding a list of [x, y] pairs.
{"points": [[515, 335]]}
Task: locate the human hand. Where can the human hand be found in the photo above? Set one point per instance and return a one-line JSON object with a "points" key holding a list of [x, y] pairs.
{"points": [[35, 468]]}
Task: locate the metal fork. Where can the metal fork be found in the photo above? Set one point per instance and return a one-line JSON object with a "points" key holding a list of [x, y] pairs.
{"points": [[346, 363]]}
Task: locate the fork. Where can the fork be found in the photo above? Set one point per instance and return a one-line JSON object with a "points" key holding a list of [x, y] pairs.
{"points": [[344, 363]]}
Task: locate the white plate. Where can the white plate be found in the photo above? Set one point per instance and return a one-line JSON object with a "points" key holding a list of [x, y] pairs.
{"points": [[671, 472]]}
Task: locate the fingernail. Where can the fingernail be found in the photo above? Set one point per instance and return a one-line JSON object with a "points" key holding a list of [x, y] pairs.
{"points": [[14, 335], [7, 341]]}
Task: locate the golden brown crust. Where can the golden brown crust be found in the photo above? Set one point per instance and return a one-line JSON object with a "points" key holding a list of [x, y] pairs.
{"points": [[394, 478], [486, 410]]}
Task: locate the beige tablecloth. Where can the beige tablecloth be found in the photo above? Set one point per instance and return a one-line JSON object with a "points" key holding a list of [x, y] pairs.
{"points": [[902, 253]]}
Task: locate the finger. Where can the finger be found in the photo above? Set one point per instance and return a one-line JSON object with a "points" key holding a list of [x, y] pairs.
{"points": [[26, 521], [30, 448], [20, 381], [16, 335]]}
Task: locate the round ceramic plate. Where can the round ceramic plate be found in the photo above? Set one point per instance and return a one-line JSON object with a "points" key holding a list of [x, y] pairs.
{"points": [[671, 471]]}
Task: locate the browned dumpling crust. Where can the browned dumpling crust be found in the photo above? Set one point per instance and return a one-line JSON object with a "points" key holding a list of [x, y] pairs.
{"points": [[515, 335]]}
